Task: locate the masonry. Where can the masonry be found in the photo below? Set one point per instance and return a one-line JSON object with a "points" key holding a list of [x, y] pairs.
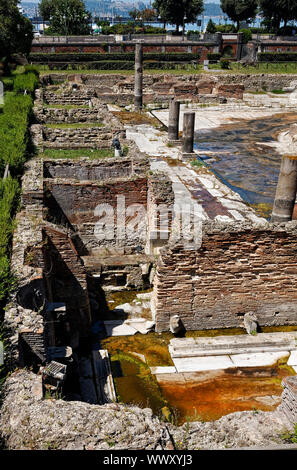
{"points": [[237, 269]]}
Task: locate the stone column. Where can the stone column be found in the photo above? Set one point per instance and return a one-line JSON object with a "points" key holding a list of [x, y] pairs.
{"points": [[239, 45], [219, 47], [286, 190], [173, 120], [138, 77], [188, 132]]}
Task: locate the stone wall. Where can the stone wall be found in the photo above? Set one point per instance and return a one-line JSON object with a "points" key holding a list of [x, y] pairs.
{"points": [[238, 268], [119, 89], [29, 422], [86, 169], [112, 85], [52, 115], [96, 137], [288, 405]]}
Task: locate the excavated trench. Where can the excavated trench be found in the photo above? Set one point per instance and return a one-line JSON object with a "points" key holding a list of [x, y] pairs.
{"points": [[250, 168]]}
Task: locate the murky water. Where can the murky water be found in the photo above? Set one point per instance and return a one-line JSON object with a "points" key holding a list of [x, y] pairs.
{"points": [[206, 396], [249, 168], [190, 396]]}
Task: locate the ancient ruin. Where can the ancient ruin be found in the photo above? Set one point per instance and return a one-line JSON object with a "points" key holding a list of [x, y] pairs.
{"points": [[120, 201]]}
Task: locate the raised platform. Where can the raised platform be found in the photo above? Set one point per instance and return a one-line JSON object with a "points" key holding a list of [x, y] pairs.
{"points": [[224, 352], [235, 344]]}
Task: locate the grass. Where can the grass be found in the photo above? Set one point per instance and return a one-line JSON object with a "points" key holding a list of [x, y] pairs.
{"points": [[74, 125], [278, 92], [78, 153], [197, 163], [263, 67], [235, 67]]}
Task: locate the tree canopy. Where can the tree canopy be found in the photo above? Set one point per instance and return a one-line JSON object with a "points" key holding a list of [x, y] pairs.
{"points": [[277, 11], [67, 17], [178, 12], [240, 10], [16, 31]]}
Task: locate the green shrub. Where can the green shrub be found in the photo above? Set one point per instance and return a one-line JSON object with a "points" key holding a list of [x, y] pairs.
{"points": [[247, 35], [213, 57], [27, 81], [226, 28], [47, 58], [14, 140], [277, 56], [9, 197], [225, 64], [33, 69], [14, 132]]}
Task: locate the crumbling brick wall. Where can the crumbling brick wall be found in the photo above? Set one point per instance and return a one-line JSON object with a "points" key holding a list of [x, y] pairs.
{"points": [[74, 204], [97, 137], [236, 270], [86, 169]]}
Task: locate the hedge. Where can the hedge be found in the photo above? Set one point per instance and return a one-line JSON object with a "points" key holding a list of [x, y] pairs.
{"points": [[277, 56], [123, 56], [28, 82], [14, 150], [213, 57], [115, 65]]}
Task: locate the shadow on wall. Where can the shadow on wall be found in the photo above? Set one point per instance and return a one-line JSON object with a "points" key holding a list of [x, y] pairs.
{"points": [[66, 282], [32, 295], [56, 215]]}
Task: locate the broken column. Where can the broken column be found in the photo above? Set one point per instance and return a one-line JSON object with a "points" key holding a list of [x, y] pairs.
{"points": [[138, 77], [188, 132], [173, 120], [286, 190]]}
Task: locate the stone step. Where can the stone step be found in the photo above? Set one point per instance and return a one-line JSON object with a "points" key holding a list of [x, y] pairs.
{"points": [[235, 344]]}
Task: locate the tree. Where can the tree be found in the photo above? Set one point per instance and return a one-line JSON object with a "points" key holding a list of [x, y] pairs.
{"points": [[178, 12], [16, 31], [148, 14], [67, 17], [134, 14], [239, 10], [277, 11], [211, 27]]}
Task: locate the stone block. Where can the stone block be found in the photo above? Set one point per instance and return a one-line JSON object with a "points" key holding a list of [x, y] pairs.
{"points": [[195, 364]]}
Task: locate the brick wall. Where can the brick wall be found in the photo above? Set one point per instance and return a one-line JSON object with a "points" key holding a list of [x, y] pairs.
{"points": [[73, 203], [66, 278], [231, 273]]}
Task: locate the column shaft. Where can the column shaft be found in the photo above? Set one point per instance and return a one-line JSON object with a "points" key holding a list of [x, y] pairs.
{"points": [[188, 132], [285, 194]]}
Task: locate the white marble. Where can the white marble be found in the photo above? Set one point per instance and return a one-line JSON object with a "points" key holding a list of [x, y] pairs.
{"points": [[163, 370], [118, 328], [293, 359], [196, 364], [257, 359]]}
